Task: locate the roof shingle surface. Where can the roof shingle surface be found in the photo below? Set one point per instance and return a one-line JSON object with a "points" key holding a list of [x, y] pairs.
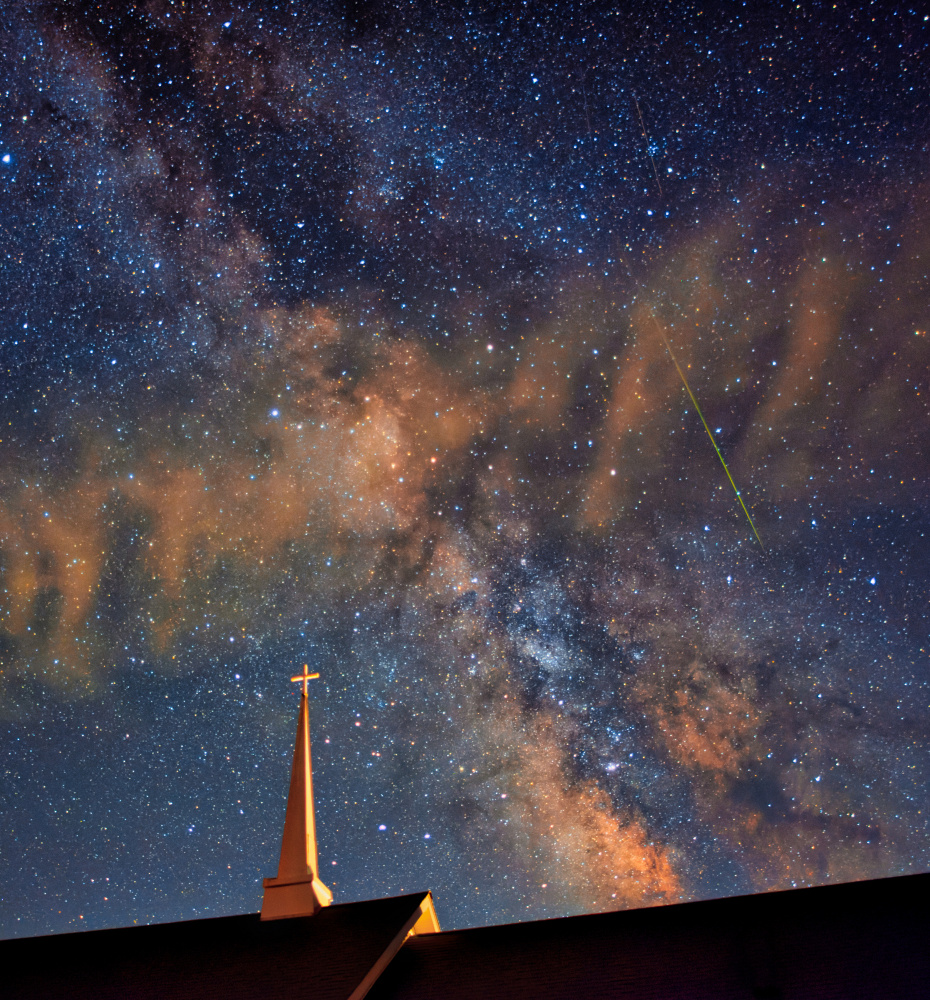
{"points": [[234, 958], [843, 942]]}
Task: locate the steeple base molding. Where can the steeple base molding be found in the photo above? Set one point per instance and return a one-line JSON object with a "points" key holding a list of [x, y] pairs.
{"points": [[284, 898]]}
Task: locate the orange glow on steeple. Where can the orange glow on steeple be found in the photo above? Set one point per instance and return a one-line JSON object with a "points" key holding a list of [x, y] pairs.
{"points": [[297, 889]]}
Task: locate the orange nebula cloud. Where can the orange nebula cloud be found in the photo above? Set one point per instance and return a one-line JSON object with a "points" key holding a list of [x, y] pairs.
{"points": [[596, 858], [707, 723], [590, 856]]}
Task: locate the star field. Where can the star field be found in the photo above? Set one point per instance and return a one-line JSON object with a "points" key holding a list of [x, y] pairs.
{"points": [[343, 335]]}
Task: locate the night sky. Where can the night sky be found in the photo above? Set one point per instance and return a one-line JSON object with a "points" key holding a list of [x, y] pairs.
{"points": [[343, 335]]}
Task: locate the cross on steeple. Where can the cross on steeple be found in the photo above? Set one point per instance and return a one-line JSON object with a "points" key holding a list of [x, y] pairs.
{"points": [[304, 677]]}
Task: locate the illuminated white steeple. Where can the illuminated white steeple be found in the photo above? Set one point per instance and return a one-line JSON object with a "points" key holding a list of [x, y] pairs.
{"points": [[297, 891]]}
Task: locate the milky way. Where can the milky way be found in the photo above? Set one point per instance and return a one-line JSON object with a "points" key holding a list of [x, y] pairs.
{"points": [[343, 336]]}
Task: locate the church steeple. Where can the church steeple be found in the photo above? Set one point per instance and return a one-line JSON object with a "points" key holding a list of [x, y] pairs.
{"points": [[297, 890]]}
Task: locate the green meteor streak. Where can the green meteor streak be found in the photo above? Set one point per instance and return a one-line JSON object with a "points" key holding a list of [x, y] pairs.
{"points": [[671, 353]]}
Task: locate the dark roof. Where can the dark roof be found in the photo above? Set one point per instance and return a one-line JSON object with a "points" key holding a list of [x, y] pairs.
{"points": [[862, 939], [326, 956]]}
